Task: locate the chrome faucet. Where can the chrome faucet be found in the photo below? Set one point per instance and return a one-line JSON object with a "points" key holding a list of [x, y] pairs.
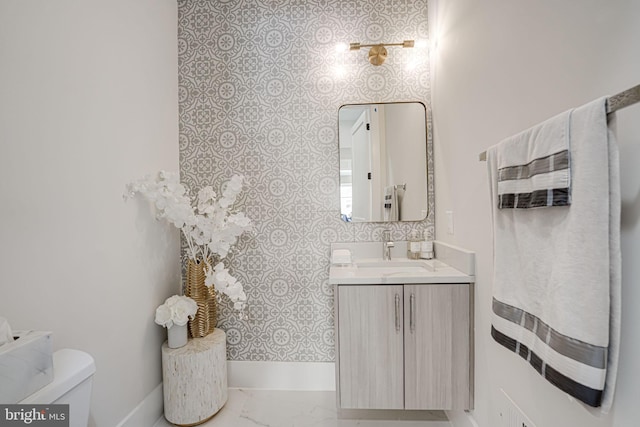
{"points": [[387, 244]]}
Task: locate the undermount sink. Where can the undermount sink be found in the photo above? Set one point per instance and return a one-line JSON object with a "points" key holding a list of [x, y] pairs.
{"points": [[367, 267], [387, 264], [399, 266], [398, 270], [387, 270]]}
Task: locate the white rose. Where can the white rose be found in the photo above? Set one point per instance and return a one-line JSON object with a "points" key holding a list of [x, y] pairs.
{"points": [[192, 306], [163, 316], [172, 300], [180, 313]]}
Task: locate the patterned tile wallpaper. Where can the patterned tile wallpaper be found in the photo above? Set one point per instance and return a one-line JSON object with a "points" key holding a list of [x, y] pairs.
{"points": [[260, 84]]}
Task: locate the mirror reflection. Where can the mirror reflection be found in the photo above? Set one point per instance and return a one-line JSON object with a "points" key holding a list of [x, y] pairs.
{"points": [[383, 162]]}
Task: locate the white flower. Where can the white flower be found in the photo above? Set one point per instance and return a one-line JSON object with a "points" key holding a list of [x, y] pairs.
{"points": [[209, 228], [220, 247], [172, 300], [227, 284], [206, 201], [163, 316], [177, 309], [168, 176], [225, 202], [209, 278], [240, 219], [203, 230], [235, 292], [180, 314], [235, 184], [231, 190], [221, 277]]}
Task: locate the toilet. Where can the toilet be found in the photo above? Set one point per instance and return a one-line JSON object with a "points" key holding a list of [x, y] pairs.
{"points": [[72, 379]]}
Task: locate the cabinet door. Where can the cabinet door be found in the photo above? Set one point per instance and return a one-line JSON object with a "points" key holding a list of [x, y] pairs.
{"points": [[370, 340], [437, 346]]}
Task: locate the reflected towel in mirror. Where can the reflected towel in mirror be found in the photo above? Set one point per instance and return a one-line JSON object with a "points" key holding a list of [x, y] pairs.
{"points": [[391, 212]]}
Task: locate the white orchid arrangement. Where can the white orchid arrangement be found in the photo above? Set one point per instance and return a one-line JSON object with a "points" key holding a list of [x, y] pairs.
{"points": [[176, 310], [210, 228]]}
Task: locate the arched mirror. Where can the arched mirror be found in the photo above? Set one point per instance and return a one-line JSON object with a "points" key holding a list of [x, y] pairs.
{"points": [[383, 162]]}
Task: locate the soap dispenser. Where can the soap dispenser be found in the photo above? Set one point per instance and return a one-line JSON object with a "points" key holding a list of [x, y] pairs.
{"points": [[413, 245], [426, 247]]}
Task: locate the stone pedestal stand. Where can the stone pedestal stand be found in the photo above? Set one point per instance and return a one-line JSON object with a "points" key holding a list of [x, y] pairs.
{"points": [[195, 379]]}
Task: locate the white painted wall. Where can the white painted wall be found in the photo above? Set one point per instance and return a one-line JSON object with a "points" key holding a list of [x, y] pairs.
{"points": [[500, 67], [88, 101]]}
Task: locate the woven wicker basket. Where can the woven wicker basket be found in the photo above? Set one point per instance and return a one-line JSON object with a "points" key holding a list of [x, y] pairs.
{"points": [[206, 318]]}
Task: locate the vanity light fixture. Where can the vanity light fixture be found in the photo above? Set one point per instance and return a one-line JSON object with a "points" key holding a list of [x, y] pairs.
{"points": [[378, 52]]}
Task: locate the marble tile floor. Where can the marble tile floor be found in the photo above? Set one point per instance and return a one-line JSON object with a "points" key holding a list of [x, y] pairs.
{"points": [[268, 408]]}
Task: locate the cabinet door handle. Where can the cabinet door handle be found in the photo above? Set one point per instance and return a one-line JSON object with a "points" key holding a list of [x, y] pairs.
{"points": [[397, 313], [412, 313]]}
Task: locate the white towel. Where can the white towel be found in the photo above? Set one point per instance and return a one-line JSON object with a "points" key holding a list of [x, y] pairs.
{"points": [[557, 270], [391, 212], [534, 167]]}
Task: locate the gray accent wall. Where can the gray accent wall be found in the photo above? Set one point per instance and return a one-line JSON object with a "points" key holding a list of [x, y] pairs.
{"points": [[260, 84]]}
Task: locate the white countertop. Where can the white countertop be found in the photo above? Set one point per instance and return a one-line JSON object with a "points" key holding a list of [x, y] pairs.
{"points": [[396, 271]]}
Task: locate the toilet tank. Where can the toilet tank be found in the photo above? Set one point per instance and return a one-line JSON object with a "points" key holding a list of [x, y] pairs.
{"points": [[72, 380]]}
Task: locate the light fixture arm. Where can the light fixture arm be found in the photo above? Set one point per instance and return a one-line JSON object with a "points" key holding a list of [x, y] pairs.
{"points": [[378, 52], [357, 46]]}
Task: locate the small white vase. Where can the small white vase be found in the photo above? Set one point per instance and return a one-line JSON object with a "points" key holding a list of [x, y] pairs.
{"points": [[177, 336]]}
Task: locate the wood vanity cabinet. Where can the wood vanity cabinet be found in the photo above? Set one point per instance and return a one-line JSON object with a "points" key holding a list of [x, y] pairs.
{"points": [[403, 346]]}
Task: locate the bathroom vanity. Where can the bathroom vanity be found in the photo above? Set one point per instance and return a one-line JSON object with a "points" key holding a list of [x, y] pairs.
{"points": [[404, 332]]}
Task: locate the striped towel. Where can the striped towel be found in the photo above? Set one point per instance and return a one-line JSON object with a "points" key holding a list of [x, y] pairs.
{"points": [[391, 208], [534, 166], [556, 290]]}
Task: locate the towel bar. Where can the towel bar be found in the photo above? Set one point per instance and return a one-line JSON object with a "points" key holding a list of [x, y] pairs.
{"points": [[614, 103]]}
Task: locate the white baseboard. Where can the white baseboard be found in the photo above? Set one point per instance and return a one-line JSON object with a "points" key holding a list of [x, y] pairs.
{"points": [[147, 412], [311, 376], [461, 419]]}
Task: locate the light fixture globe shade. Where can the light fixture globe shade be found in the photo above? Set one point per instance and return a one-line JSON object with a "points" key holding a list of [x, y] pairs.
{"points": [[377, 55]]}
